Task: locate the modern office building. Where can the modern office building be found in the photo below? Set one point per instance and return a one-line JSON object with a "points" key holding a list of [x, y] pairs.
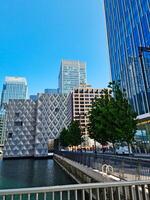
{"points": [[33, 97], [128, 30], [14, 88], [51, 91], [2, 126], [82, 99], [72, 74], [32, 125]]}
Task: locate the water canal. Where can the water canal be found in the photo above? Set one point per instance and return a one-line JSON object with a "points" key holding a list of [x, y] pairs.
{"points": [[24, 173]]}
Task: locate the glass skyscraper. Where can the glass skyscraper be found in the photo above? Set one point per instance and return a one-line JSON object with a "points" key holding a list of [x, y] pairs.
{"points": [[51, 91], [72, 74], [14, 88], [128, 29]]}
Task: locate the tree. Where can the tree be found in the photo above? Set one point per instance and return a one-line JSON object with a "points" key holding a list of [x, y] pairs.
{"points": [[125, 117], [75, 133], [111, 117], [64, 138], [71, 136], [98, 118]]}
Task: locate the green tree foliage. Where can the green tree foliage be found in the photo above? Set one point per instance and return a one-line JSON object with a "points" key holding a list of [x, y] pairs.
{"points": [[64, 138], [75, 133], [111, 117], [99, 119], [71, 136]]}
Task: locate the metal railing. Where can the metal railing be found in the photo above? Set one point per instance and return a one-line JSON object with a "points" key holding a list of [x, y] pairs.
{"points": [[123, 167], [135, 190]]}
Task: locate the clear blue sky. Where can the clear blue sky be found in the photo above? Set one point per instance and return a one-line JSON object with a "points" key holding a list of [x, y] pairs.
{"points": [[35, 35]]}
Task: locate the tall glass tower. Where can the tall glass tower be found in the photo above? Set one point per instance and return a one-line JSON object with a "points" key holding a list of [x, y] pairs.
{"points": [[14, 88], [128, 30], [72, 74]]}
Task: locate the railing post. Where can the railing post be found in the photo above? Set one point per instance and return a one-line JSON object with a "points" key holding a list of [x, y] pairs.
{"points": [[137, 193], [144, 195], [138, 169], [121, 170], [125, 193], [131, 191]]}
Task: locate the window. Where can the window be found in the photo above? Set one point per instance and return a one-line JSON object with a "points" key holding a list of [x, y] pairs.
{"points": [[10, 135], [16, 114], [18, 123], [56, 109]]}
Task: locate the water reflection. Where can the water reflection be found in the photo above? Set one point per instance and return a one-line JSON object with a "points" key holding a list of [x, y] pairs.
{"points": [[31, 173]]}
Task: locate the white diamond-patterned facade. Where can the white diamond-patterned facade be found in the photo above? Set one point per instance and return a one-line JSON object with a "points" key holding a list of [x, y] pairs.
{"points": [[52, 117], [30, 125], [20, 129]]}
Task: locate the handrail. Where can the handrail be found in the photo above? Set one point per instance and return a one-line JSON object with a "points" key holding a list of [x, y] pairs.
{"points": [[72, 187]]}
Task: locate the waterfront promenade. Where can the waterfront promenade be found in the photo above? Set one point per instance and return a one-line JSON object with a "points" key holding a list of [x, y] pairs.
{"points": [[123, 167]]}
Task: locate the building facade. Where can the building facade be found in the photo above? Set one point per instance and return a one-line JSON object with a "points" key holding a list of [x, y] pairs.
{"points": [[128, 31], [82, 98], [72, 74], [14, 88], [32, 125], [33, 97], [51, 91], [128, 28], [20, 129], [2, 127], [51, 118]]}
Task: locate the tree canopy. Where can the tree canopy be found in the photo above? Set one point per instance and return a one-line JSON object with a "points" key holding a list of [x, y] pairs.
{"points": [[71, 136], [111, 117]]}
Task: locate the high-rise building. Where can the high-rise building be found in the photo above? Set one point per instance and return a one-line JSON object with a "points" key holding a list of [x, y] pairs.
{"points": [[2, 126], [51, 91], [72, 74], [128, 30], [14, 88], [82, 99], [33, 97]]}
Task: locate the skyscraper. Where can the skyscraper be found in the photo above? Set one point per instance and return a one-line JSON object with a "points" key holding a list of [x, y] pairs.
{"points": [[82, 99], [51, 91], [72, 74], [14, 88], [128, 29]]}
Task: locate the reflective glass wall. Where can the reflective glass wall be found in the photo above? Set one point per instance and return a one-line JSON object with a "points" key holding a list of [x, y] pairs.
{"points": [[128, 28]]}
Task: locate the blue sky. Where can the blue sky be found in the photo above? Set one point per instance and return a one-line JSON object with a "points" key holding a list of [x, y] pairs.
{"points": [[35, 35]]}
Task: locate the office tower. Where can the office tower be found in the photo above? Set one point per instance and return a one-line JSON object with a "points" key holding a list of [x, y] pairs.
{"points": [[33, 97], [82, 99], [128, 29], [14, 88], [51, 91], [2, 127], [72, 74]]}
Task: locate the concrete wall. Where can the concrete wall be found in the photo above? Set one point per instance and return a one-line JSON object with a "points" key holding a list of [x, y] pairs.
{"points": [[81, 173]]}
